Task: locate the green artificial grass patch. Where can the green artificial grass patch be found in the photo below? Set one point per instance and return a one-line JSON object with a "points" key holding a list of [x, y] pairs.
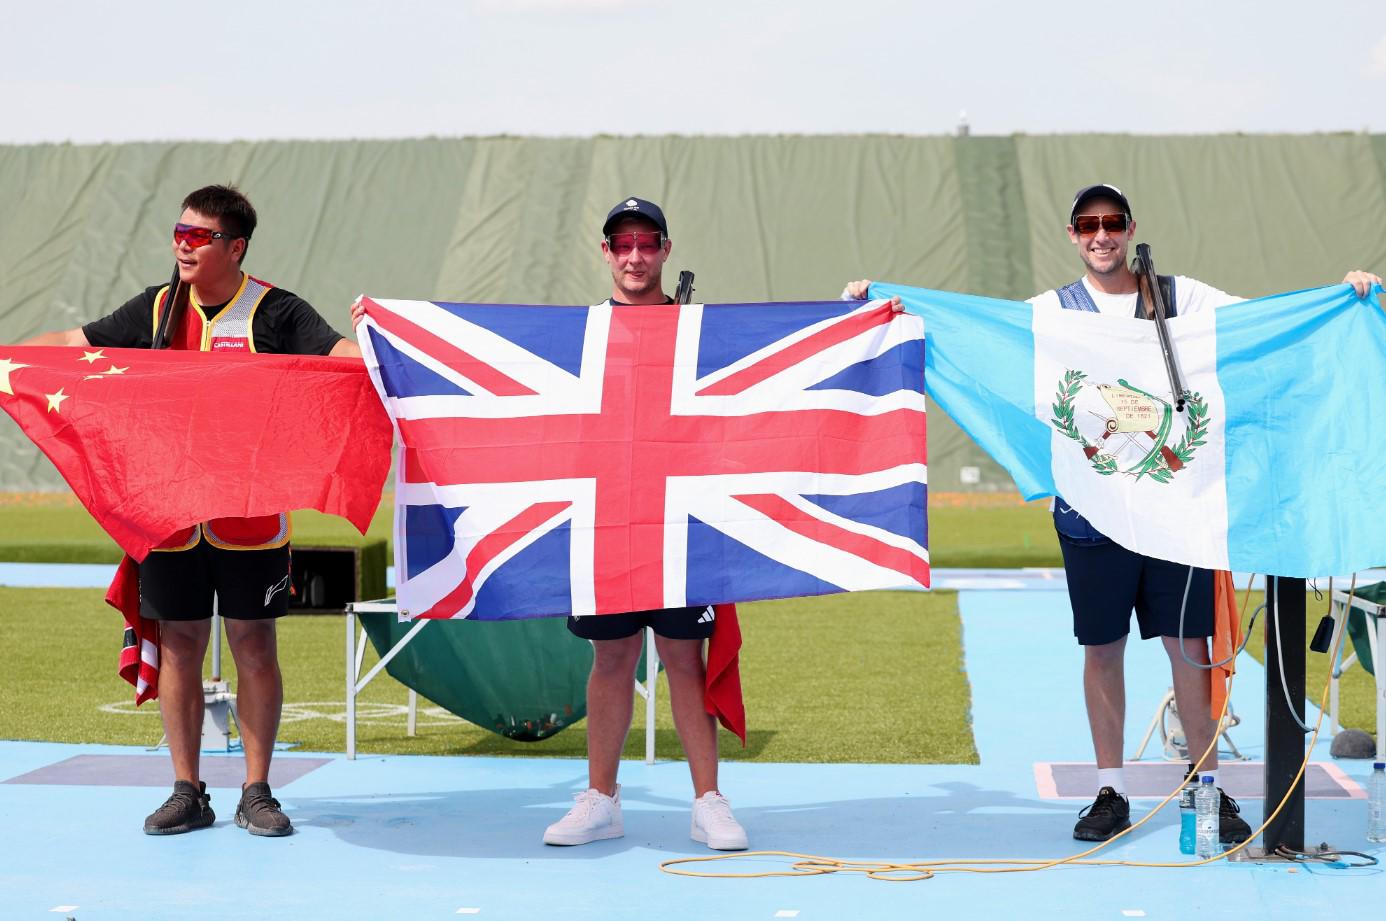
{"points": [[870, 677], [1357, 689], [965, 531], [63, 532]]}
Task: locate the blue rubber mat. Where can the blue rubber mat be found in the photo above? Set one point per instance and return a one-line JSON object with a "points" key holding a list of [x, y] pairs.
{"points": [[441, 837]]}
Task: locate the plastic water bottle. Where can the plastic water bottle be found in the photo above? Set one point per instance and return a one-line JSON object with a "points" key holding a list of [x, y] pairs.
{"points": [[1376, 803], [1206, 809], [1187, 826]]}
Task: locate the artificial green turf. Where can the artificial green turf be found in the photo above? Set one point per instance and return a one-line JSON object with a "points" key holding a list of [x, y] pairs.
{"points": [[65, 533], [1006, 535], [1356, 690], [870, 677], [1010, 536]]}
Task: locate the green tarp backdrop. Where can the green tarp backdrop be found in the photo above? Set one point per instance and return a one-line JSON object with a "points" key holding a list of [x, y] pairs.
{"points": [[516, 220]]}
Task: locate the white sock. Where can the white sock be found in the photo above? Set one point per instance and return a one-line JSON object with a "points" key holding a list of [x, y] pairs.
{"points": [[1112, 777]]}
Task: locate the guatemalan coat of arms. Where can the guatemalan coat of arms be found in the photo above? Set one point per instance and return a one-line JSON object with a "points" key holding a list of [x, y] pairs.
{"points": [[1122, 429]]}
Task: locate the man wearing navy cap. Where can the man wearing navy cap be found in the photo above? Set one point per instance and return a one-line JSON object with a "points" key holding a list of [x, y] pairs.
{"points": [[635, 244], [1105, 580]]}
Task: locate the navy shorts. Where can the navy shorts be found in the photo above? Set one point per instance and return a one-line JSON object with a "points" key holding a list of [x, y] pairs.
{"points": [[1106, 581], [249, 584], [670, 623]]}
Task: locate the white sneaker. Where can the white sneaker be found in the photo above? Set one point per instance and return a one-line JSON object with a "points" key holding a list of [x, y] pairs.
{"points": [[714, 824], [595, 817]]}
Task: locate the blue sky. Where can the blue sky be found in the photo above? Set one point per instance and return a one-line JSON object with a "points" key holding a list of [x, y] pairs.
{"points": [[91, 72]]}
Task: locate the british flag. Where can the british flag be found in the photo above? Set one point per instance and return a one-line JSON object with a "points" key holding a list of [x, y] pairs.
{"points": [[592, 460]]}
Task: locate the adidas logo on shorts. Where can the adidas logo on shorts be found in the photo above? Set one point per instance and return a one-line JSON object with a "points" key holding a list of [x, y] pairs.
{"points": [[707, 616]]}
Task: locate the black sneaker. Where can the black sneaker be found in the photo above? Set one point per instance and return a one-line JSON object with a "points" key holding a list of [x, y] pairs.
{"points": [[259, 813], [189, 808], [1233, 828], [1108, 814]]}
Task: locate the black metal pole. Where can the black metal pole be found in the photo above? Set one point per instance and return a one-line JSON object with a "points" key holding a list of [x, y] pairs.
{"points": [[1284, 737]]}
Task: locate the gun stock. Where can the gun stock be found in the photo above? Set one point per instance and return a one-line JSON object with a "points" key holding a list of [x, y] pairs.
{"points": [[175, 303]]}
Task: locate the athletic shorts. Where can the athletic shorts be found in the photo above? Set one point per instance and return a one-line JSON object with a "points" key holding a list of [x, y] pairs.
{"points": [[670, 623], [1106, 581], [249, 584]]}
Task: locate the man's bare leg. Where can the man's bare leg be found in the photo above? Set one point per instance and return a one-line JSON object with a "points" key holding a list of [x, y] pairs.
{"points": [[610, 700], [1104, 691], [182, 647], [1193, 695], [683, 665], [259, 692]]}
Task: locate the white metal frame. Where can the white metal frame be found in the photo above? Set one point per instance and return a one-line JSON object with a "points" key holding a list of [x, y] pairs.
{"points": [[1166, 720], [1376, 640], [355, 684]]}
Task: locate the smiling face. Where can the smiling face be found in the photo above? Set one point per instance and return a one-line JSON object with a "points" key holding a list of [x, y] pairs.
{"points": [[212, 265], [1104, 251], [637, 277]]}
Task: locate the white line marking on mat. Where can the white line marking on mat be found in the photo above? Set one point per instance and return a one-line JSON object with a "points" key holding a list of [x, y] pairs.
{"points": [[469, 911], [1133, 912], [64, 908], [787, 913]]}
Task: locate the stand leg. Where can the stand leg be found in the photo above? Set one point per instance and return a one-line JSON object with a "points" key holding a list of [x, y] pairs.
{"points": [[651, 676], [1284, 737], [350, 684]]}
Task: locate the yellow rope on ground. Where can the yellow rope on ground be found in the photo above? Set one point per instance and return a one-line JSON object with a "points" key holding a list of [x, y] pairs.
{"points": [[913, 871]]}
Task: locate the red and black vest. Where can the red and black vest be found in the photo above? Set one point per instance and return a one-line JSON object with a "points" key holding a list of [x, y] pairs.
{"points": [[228, 331]]}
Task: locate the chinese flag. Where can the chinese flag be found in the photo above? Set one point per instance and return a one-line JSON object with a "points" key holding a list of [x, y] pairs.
{"points": [[154, 441]]}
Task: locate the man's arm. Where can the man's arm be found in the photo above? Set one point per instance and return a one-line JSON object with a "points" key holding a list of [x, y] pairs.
{"points": [[345, 348], [73, 336]]}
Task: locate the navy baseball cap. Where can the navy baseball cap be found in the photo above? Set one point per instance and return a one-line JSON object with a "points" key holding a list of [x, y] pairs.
{"points": [[636, 207], [1101, 190]]}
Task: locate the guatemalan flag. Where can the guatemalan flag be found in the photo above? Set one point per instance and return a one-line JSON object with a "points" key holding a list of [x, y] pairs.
{"points": [[592, 460], [1277, 464]]}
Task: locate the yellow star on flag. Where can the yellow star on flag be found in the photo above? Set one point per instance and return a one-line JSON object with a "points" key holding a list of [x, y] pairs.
{"points": [[92, 358], [114, 370], [6, 366], [55, 400]]}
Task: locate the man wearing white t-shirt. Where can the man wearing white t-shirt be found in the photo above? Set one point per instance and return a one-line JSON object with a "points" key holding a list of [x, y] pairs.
{"points": [[1105, 580]]}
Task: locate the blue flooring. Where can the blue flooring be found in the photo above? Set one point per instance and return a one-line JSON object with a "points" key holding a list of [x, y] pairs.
{"points": [[424, 837]]}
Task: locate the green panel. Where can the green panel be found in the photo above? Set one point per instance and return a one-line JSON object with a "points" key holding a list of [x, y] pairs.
{"points": [[522, 679], [757, 218], [998, 235], [1252, 215], [1378, 142]]}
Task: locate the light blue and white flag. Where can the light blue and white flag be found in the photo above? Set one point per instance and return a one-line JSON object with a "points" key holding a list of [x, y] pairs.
{"points": [[1277, 464]]}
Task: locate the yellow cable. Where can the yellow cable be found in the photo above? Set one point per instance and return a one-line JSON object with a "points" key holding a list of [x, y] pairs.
{"points": [[913, 871]]}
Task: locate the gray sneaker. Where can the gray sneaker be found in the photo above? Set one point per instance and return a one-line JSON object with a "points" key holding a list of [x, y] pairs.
{"points": [[259, 813], [188, 809]]}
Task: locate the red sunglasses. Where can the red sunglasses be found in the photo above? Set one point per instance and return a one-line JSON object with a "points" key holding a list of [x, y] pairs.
{"points": [[1112, 223], [197, 237], [623, 244]]}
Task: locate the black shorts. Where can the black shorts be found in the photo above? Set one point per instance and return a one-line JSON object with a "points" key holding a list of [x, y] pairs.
{"points": [[249, 584], [1105, 581], [670, 623]]}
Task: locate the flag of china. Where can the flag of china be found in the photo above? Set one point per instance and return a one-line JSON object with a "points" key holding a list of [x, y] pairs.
{"points": [[155, 441]]}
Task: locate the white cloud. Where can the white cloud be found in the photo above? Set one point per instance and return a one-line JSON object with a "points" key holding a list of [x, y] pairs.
{"points": [[564, 6], [1376, 63]]}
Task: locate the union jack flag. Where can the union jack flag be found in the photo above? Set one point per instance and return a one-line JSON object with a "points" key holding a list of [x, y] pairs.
{"points": [[593, 460]]}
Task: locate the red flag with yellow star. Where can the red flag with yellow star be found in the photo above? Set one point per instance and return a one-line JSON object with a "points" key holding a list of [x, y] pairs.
{"points": [[155, 441]]}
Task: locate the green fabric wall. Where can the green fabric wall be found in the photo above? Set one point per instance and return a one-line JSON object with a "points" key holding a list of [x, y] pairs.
{"points": [[757, 218]]}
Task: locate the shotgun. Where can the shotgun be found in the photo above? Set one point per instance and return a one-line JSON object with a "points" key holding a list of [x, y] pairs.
{"points": [[683, 294], [1143, 267], [175, 303]]}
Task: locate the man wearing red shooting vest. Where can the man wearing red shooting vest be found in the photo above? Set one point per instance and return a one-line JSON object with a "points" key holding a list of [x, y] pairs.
{"points": [[244, 561]]}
